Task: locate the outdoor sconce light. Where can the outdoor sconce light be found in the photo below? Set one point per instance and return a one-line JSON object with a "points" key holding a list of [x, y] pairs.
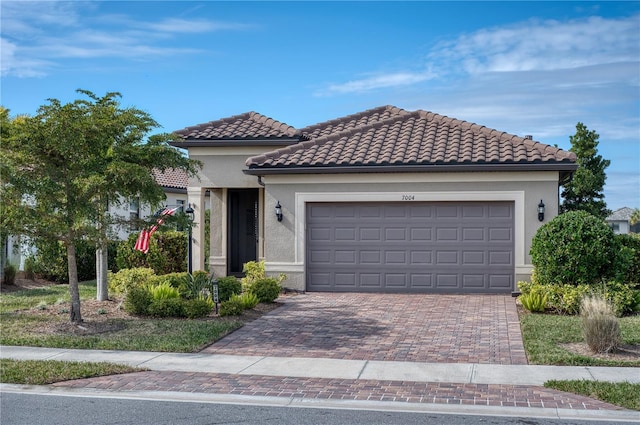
{"points": [[541, 211], [279, 211]]}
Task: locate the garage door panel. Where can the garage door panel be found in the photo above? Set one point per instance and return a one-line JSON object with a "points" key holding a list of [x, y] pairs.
{"points": [[503, 258], [410, 247], [497, 281], [395, 234], [446, 234], [370, 234], [446, 257], [421, 257], [421, 281], [420, 234], [473, 281], [470, 234]]}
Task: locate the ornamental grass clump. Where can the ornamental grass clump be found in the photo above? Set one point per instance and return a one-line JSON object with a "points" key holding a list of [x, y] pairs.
{"points": [[599, 325]]}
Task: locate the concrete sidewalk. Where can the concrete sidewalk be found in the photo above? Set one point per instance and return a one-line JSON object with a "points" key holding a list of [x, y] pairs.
{"points": [[485, 389], [332, 368]]}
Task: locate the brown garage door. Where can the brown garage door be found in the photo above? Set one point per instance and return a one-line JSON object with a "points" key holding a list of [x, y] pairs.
{"points": [[443, 247]]}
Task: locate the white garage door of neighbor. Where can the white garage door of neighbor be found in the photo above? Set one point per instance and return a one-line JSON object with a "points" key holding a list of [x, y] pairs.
{"points": [[412, 247]]}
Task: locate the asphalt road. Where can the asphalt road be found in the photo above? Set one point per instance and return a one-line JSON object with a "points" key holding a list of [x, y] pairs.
{"points": [[36, 409]]}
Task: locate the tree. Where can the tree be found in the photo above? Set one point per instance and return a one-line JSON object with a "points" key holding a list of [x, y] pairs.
{"points": [[635, 217], [584, 191], [60, 167]]}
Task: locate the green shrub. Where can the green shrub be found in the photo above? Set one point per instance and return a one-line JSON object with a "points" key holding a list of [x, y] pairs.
{"points": [[167, 253], [231, 307], [627, 268], [566, 299], [9, 277], [599, 325], [50, 260], [228, 286], [574, 248], [197, 284], [620, 296], [30, 267], [168, 307], [267, 289], [164, 291], [534, 301], [247, 299], [156, 280], [253, 271], [635, 305], [177, 279], [137, 301], [121, 282], [198, 307]]}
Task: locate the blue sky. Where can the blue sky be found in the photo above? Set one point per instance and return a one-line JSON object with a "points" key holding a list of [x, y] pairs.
{"points": [[522, 67]]}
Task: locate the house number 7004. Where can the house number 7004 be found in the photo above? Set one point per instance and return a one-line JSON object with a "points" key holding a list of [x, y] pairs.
{"points": [[408, 197]]}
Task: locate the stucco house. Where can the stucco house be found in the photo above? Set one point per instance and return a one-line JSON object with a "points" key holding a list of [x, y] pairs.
{"points": [[16, 249], [386, 200], [620, 220]]}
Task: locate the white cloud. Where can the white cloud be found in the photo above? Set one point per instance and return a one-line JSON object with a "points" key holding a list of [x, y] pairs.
{"points": [[397, 79], [11, 65], [544, 45], [175, 25], [37, 34]]}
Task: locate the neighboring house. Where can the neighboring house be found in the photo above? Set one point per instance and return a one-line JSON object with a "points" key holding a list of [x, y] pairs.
{"points": [[620, 220], [386, 200], [174, 183]]}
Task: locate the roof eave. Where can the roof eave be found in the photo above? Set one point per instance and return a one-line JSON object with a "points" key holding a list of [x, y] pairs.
{"points": [[263, 171], [192, 143]]}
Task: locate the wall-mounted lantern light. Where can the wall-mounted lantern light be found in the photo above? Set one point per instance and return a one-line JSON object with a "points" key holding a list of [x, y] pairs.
{"points": [[279, 211], [541, 211]]}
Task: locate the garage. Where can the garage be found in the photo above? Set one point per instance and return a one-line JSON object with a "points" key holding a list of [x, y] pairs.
{"points": [[410, 247]]}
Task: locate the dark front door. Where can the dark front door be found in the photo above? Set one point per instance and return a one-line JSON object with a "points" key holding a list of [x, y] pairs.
{"points": [[242, 229]]}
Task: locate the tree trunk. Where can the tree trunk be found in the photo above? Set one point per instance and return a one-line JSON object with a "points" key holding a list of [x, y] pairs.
{"points": [[75, 315], [101, 274]]}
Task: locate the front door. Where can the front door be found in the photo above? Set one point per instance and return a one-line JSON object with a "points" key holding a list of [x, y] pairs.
{"points": [[242, 229]]}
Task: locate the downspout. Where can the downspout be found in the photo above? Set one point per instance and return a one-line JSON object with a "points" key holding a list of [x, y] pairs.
{"points": [[260, 182]]}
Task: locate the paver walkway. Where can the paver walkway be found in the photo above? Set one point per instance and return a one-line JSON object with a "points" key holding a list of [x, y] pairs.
{"points": [[392, 327], [496, 395]]}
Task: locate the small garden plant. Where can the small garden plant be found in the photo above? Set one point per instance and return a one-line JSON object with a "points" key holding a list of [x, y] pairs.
{"points": [[599, 325], [190, 295]]}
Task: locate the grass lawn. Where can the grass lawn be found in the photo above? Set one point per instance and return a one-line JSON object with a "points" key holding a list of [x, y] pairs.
{"points": [[42, 372], [622, 394], [544, 334], [39, 317]]}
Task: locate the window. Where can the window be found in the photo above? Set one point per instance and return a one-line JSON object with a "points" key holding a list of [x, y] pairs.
{"points": [[180, 204], [134, 214]]}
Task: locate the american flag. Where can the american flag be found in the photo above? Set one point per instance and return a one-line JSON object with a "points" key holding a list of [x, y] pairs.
{"points": [[142, 243]]}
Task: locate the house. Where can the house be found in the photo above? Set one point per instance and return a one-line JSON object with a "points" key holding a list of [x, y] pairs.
{"points": [[16, 249], [620, 221], [386, 200]]}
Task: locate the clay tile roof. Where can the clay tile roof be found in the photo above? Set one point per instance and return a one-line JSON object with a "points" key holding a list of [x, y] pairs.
{"points": [[247, 126], [171, 178], [391, 136], [351, 121]]}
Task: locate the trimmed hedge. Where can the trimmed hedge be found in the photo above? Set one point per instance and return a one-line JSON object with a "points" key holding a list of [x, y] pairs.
{"points": [[167, 253], [574, 248]]}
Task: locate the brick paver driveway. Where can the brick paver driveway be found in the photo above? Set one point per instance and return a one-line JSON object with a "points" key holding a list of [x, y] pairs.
{"points": [[391, 327]]}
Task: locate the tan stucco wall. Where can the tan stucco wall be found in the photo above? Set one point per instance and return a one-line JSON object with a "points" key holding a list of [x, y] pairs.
{"points": [[284, 242]]}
